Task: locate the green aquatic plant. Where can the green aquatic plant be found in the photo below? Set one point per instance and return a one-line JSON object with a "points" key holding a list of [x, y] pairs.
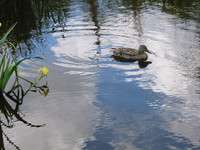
{"points": [[9, 76], [12, 92]]}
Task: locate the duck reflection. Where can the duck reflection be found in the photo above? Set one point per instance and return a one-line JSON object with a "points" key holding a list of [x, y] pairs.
{"points": [[141, 64], [144, 64]]}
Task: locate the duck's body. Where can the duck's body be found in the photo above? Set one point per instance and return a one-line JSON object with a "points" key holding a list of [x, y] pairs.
{"points": [[130, 54]]}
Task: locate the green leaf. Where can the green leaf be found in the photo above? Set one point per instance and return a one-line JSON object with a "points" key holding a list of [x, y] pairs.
{"points": [[6, 76], [6, 34]]}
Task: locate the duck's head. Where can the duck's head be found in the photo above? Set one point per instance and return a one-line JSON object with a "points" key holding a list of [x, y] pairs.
{"points": [[143, 49]]}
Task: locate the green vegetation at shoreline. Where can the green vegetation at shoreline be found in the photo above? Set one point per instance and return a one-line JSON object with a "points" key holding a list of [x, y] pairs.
{"points": [[12, 92]]}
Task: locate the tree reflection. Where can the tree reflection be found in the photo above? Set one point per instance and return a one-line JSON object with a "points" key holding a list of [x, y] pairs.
{"points": [[94, 13], [94, 10], [184, 9], [135, 17], [39, 16], [43, 16]]}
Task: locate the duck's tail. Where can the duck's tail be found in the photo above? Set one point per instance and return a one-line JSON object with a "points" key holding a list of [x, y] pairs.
{"points": [[112, 49], [116, 52]]}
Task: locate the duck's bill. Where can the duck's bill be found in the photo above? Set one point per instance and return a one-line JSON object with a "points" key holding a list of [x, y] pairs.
{"points": [[151, 52]]}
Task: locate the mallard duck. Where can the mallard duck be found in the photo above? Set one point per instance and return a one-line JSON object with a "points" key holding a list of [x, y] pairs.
{"points": [[131, 54]]}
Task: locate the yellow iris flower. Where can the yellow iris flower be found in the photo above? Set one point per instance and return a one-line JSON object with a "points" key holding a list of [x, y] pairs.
{"points": [[0, 24], [44, 70]]}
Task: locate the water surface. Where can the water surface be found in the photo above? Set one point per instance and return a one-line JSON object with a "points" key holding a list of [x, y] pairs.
{"points": [[97, 103]]}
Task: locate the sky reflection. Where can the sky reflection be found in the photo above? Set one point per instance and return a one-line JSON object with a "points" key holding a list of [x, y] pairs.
{"points": [[69, 114], [97, 101]]}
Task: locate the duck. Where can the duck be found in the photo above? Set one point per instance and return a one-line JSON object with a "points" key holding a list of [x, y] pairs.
{"points": [[131, 54]]}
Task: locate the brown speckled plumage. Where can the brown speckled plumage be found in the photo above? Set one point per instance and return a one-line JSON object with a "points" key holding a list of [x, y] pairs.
{"points": [[130, 54]]}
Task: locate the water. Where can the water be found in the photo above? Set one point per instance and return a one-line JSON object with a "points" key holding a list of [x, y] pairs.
{"points": [[97, 103]]}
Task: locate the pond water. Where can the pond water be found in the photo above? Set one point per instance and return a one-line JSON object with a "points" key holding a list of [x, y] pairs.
{"points": [[95, 102]]}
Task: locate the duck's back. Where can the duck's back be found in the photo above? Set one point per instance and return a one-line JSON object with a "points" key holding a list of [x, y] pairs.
{"points": [[127, 53]]}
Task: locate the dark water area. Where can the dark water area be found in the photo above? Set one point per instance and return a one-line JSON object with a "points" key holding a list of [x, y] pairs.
{"points": [[96, 102]]}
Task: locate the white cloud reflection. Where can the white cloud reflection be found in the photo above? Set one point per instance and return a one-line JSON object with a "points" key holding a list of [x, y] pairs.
{"points": [[171, 74], [69, 114]]}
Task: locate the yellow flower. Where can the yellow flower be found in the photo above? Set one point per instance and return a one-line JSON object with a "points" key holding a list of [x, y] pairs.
{"points": [[44, 70], [0, 24]]}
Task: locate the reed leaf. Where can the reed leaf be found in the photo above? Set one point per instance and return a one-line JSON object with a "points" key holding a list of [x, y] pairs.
{"points": [[6, 34]]}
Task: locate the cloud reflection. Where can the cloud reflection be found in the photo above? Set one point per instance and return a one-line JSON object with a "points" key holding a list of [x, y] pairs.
{"points": [[70, 116]]}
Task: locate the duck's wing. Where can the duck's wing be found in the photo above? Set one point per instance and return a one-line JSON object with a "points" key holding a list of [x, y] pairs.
{"points": [[121, 52]]}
